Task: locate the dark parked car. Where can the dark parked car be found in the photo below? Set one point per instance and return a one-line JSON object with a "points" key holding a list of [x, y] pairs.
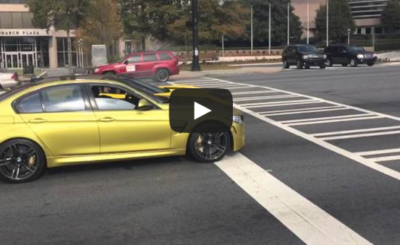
{"points": [[345, 55], [303, 56]]}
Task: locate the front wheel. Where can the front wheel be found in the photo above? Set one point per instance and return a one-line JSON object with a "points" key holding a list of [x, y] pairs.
{"points": [[322, 66], [162, 75], [329, 62], [209, 147], [300, 64], [371, 64], [353, 63], [21, 161], [285, 64]]}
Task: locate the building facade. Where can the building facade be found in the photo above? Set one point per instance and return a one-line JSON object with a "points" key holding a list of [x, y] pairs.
{"points": [[21, 44], [366, 13]]}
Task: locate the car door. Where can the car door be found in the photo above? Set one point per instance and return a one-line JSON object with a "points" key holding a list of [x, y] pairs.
{"points": [[291, 55], [63, 120], [150, 60], [124, 128], [132, 65], [341, 57]]}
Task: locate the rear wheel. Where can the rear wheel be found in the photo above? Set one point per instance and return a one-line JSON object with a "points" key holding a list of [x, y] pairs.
{"points": [[21, 161], [353, 63], [300, 64], [322, 66], [209, 147], [109, 73], [307, 67], [371, 64], [345, 64], [162, 75], [329, 62], [285, 64]]}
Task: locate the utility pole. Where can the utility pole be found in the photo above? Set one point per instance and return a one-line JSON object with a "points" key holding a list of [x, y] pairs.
{"points": [[252, 35], [308, 22], [327, 23], [348, 36], [195, 29], [223, 45], [269, 30], [288, 24]]}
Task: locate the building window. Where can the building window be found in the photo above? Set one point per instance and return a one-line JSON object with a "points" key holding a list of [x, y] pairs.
{"points": [[62, 52], [16, 20]]}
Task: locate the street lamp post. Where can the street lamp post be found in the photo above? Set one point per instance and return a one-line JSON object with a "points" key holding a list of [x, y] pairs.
{"points": [[252, 35], [308, 22], [195, 30], [327, 23], [269, 30], [288, 24], [348, 36]]}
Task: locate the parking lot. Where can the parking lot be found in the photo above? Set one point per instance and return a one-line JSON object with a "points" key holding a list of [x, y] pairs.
{"points": [[321, 166]]}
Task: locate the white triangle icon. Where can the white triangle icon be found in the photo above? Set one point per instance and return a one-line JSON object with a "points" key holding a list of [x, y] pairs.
{"points": [[200, 110]]}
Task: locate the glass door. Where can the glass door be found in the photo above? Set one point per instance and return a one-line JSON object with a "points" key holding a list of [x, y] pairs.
{"points": [[28, 59], [12, 60]]}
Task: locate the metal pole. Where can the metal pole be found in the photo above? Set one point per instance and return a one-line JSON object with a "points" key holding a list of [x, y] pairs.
{"points": [[288, 24], [223, 45], [348, 36], [195, 29], [373, 38], [269, 30], [252, 35], [327, 23], [308, 22]]}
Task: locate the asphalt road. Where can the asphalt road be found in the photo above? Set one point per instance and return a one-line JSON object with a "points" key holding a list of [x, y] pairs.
{"points": [[321, 166]]}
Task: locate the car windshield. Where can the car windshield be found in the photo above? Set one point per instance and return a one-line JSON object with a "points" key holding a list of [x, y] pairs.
{"points": [[308, 49], [356, 49]]}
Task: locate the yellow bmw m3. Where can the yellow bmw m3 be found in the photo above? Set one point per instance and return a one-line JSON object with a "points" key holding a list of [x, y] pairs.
{"points": [[56, 123]]}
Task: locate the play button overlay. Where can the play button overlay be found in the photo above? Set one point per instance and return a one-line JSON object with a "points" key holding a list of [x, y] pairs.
{"points": [[191, 109], [200, 110]]}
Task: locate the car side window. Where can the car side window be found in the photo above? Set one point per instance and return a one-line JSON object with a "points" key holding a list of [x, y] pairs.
{"points": [[165, 56], [134, 59], [114, 99], [66, 98], [149, 57], [30, 104]]}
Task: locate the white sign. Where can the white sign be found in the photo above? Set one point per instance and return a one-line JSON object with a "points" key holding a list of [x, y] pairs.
{"points": [[130, 68], [23, 32]]}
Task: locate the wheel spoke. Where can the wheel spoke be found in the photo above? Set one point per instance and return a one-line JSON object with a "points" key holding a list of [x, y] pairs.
{"points": [[219, 147], [29, 167], [14, 149], [15, 172], [5, 162], [30, 152], [207, 151]]}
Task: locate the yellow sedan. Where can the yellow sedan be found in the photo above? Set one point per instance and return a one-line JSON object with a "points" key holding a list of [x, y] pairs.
{"points": [[57, 123]]}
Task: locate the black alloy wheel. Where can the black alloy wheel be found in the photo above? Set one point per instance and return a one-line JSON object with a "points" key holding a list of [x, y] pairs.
{"points": [[21, 161], [285, 64], [209, 147]]}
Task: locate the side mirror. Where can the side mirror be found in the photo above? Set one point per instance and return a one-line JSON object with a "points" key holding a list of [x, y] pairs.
{"points": [[144, 105], [126, 62]]}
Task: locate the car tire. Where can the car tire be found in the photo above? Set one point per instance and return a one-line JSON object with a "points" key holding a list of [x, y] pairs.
{"points": [[353, 63], [285, 64], [299, 64], [21, 161], [201, 145], [329, 63], [162, 75], [109, 73], [345, 64], [307, 66], [371, 64], [322, 66]]}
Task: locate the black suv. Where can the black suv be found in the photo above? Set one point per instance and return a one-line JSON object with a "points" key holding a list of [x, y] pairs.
{"points": [[345, 55], [303, 56]]}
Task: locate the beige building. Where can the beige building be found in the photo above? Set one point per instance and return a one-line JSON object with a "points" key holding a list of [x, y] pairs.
{"points": [[366, 13]]}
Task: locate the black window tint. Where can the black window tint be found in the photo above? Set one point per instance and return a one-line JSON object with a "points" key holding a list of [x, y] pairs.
{"points": [[30, 104], [165, 56], [149, 57], [63, 99], [135, 59]]}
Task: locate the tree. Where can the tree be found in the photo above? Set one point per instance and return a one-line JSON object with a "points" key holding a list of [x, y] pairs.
{"points": [[340, 21], [102, 25], [62, 14], [216, 19], [278, 23], [391, 15]]}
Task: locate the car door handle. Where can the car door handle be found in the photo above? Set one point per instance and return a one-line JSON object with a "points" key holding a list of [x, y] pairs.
{"points": [[38, 120], [107, 119]]}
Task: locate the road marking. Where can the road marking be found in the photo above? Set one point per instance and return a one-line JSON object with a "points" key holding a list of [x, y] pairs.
{"points": [[307, 221], [385, 159], [253, 92], [353, 156], [301, 109], [361, 135], [378, 152], [324, 118], [355, 131], [368, 117], [280, 103], [265, 97], [303, 112]]}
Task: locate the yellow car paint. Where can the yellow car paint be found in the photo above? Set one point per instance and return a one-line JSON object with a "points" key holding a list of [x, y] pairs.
{"points": [[69, 138]]}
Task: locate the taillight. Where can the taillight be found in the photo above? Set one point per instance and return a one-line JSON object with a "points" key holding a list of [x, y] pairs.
{"points": [[15, 77]]}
